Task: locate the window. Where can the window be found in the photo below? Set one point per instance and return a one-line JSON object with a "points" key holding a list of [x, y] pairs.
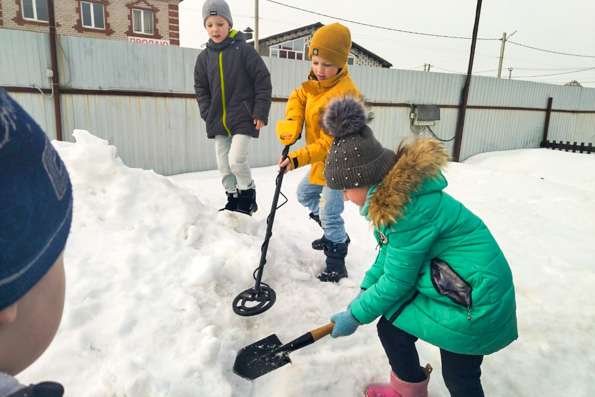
{"points": [[350, 60], [293, 49], [36, 10], [143, 21], [92, 14]]}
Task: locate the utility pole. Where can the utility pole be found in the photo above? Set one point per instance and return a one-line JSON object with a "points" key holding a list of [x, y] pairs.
{"points": [[256, 44], [509, 73], [465, 91], [502, 45]]}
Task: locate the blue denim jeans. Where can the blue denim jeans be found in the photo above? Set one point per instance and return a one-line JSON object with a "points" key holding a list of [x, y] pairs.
{"points": [[328, 204]]}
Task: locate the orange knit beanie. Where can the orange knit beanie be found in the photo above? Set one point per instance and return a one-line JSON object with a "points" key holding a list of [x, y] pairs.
{"points": [[331, 42]]}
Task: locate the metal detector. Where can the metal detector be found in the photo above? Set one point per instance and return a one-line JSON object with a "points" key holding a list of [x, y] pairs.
{"points": [[261, 297]]}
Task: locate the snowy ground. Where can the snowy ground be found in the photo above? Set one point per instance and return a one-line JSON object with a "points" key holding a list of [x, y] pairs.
{"points": [[152, 269]]}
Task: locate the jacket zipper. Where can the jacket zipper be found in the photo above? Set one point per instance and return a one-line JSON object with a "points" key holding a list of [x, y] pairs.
{"points": [[468, 307], [224, 116], [402, 307]]}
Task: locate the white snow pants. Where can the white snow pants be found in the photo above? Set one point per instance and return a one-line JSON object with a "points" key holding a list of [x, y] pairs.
{"points": [[232, 162]]}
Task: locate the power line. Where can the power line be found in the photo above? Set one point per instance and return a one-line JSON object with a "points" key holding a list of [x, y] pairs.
{"points": [[551, 51], [551, 69], [559, 74], [429, 34], [444, 36]]}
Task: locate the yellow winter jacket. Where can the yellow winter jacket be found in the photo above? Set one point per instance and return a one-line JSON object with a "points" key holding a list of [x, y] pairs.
{"points": [[306, 104]]}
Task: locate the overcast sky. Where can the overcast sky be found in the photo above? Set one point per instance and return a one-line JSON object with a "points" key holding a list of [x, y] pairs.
{"points": [[565, 26]]}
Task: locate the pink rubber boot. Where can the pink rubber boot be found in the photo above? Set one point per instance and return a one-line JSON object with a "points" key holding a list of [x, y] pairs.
{"points": [[400, 388]]}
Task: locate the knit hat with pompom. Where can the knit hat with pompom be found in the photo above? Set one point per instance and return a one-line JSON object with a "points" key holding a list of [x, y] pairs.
{"points": [[356, 158]]}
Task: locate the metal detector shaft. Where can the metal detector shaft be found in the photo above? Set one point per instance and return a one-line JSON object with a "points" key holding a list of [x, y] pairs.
{"points": [[270, 220]]}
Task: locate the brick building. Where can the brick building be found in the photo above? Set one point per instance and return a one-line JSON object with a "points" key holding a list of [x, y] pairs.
{"points": [[141, 21], [293, 44]]}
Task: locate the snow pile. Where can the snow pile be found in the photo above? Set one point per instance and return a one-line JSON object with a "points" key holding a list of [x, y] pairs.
{"points": [[152, 269]]}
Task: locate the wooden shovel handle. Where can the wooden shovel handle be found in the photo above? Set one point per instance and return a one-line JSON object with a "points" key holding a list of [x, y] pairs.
{"points": [[322, 331]]}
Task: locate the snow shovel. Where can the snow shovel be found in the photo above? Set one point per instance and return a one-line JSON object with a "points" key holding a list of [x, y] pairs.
{"points": [[269, 353]]}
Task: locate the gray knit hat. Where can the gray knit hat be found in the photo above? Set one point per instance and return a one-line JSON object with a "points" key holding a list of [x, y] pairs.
{"points": [[356, 158], [216, 7]]}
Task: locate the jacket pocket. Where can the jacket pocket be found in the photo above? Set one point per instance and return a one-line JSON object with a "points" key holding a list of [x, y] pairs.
{"points": [[448, 283]]}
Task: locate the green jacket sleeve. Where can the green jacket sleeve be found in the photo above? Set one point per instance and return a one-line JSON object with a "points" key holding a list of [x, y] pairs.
{"points": [[374, 273], [408, 245]]}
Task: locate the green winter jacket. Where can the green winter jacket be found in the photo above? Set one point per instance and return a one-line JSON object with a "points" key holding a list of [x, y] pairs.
{"points": [[439, 273]]}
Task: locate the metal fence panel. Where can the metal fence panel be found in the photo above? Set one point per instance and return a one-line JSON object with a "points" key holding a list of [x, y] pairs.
{"points": [[40, 108], [492, 130], [25, 58], [585, 128], [119, 65], [166, 133]]}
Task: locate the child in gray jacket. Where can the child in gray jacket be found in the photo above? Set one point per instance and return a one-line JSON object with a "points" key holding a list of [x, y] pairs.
{"points": [[233, 89]]}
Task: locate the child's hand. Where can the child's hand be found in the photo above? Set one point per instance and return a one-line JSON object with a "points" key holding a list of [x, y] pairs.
{"points": [[286, 164], [258, 124], [345, 324], [288, 131]]}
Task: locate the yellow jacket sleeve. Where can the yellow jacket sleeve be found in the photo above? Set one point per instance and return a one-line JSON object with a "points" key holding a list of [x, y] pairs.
{"points": [[313, 152], [289, 130]]}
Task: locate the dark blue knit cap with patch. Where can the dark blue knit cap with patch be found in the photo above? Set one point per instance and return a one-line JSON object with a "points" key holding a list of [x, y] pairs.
{"points": [[35, 202]]}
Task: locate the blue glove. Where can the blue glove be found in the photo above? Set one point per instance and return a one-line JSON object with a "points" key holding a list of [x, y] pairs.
{"points": [[345, 324]]}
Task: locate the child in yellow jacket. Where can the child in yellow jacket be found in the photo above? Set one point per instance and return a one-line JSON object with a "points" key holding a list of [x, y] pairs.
{"points": [[328, 78]]}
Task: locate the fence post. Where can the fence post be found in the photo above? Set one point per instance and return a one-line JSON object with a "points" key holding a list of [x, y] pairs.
{"points": [[55, 74], [546, 127]]}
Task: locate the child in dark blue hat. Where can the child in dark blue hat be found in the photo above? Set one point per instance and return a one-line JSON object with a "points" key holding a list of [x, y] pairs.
{"points": [[35, 218]]}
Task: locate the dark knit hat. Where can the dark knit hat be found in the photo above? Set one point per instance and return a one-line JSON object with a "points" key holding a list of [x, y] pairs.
{"points": [[331, 42], [35, 203], [216, 7], [356, 158]]}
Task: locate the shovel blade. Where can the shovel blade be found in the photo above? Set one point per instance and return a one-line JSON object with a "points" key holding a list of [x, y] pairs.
{"points": [[260, 358]]}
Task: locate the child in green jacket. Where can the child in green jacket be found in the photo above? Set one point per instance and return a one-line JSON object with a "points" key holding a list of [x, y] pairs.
{"points": [[439, 275]]}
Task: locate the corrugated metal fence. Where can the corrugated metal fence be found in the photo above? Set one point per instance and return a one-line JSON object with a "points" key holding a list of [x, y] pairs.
{"points": [[140, 98]]}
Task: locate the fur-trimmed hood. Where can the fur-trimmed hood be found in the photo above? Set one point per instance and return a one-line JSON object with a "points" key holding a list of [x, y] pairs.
{"points": [[417, 161]]}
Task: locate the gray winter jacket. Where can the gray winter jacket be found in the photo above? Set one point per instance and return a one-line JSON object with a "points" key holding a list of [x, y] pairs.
{"points": [[233, 87]]}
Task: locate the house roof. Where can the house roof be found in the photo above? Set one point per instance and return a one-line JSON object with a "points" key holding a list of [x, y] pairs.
{"points": [[309, 29]]}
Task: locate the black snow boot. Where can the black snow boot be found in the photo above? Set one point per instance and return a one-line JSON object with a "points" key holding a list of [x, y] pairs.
{"points": [[322, 242], [232, 202], [247, 201], [335, 262]]}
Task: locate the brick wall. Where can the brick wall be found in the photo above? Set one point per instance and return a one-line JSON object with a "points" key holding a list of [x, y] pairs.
{"points": [[174, 24], [117, 18]]}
